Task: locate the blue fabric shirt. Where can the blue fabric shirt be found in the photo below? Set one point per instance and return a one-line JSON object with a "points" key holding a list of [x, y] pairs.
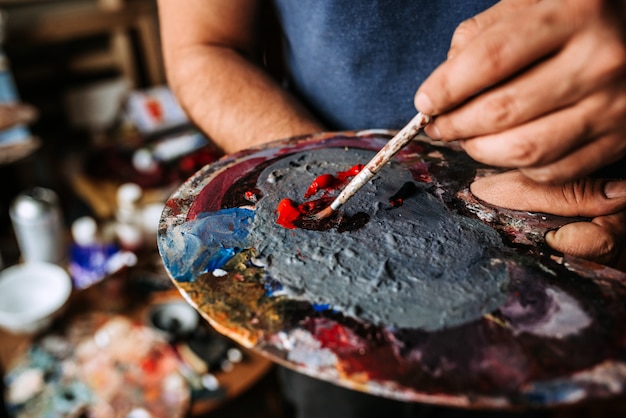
{"points": [[357, 64]]}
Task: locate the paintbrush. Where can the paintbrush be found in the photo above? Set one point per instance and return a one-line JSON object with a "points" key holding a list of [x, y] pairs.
{"points": [[382, 157]]}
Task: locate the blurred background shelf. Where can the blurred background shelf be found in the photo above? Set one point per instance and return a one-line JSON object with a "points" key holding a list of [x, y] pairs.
{"points": [[117, 35]]}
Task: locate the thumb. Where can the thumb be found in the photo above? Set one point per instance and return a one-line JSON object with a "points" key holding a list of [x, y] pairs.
{"points": [[600, 240], [588, 197]]}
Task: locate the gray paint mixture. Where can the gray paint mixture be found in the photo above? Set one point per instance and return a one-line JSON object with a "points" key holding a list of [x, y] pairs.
{"points": [[416, 266]]}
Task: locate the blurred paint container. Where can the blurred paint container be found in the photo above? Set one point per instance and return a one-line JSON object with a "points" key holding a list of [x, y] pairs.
{"points": [[8, 91], [36, 218]]}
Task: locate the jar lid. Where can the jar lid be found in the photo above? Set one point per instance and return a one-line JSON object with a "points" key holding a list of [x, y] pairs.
{"points": [[33, 203]]}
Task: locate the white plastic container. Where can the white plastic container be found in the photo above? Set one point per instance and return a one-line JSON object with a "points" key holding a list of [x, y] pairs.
{"points": [[31, 294]]}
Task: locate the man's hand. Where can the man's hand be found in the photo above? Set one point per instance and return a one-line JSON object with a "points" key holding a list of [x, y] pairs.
{"points": [[601, 240], [535, 85], [540, 85]]}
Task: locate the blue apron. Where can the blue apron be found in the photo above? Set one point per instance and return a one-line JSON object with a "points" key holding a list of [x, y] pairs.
{"points": [[357, 64]]}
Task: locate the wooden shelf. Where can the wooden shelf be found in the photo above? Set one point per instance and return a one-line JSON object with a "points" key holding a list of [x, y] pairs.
{"points": [[33, 24]]}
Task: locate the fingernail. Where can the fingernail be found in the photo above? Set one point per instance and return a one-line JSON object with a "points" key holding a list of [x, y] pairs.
{"points": [[615, 189], [432, 131], [423, 104]]}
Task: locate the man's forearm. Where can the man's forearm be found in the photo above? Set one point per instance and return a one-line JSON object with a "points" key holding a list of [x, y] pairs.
{"points": [[235, 102]]}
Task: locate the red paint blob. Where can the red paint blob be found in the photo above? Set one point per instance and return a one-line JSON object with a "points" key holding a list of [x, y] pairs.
{"points": [[154, 109], [250, 196], [361, 352], [328, 181], [344, 175], [287, 213], [407, 190], [336, 337], [325, 181]]}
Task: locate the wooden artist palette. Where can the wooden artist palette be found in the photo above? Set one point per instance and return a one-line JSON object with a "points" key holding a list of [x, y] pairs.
{"points": [[557, 336]]}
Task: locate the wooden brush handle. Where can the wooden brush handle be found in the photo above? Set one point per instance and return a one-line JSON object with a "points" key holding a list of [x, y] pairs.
{"points": [[399, 141], [382, 157]]}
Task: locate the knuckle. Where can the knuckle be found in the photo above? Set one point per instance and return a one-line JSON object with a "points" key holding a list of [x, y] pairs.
{"points": [[465, 32], [578, 192], [444, 90], [496, 55], [611, 62], [618, 106], [525, 153], [503, 110], [586, 196], [612, 103]]}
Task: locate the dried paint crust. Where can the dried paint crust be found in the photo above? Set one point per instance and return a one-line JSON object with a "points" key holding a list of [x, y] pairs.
{"points": [[554, 337], [415, 266]]}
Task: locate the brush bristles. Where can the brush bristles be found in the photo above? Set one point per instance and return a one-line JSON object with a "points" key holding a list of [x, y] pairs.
{"points": [[323, 214]]}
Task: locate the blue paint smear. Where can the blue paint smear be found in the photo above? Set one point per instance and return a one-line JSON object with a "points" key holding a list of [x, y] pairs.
{"points": [[553, 392], [272, 286], [205, 243], [321, 307]]}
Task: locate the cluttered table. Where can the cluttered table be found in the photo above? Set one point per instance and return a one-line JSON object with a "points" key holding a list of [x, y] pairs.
{"points": [[417, 292], [118, 347], [90, 323]]}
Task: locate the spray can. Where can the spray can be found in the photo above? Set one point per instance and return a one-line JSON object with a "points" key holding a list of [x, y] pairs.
{"points": [[38, 226]]}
